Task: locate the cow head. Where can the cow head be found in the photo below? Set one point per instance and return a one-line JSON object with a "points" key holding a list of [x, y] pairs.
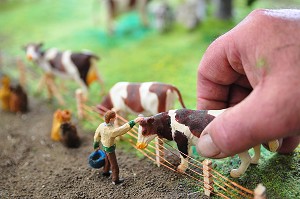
{"points": [[33, 51], [146, 132]]}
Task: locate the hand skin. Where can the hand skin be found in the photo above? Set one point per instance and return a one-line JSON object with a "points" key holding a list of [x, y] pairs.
{"points": [[138, 119], [255, 67]]}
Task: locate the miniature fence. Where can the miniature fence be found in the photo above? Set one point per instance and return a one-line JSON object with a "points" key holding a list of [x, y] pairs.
{"points": [[209, 179], [202, 173]]}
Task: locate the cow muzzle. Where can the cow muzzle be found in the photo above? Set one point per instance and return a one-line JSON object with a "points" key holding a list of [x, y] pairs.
{"points": [[141, 145], [29, 57]]}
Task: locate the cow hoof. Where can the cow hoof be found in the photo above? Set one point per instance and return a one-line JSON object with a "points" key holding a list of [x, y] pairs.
{"points": [[273, 145], [235, 173], [181, 169]]}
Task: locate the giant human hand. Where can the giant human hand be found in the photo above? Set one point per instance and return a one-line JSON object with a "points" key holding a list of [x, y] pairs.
{"points": [[255, 67]]}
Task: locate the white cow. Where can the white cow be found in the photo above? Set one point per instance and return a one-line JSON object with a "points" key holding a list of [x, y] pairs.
{"points": [[185, 126], [66, 64], [146, 98]]}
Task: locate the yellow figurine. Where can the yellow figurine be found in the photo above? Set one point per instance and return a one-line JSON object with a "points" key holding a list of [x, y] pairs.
{"points": [[59, 117], [5, 93]]}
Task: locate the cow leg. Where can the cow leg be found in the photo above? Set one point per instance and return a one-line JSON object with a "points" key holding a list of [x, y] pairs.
{"points": [[256, 157], [52, 88], [182, 144], [41, 83], [111, 12], [273, 145], [245, 162], [81, 83], [143, 12]]}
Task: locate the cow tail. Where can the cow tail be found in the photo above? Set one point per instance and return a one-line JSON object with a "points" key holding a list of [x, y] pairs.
{"points": [[179, 97]]}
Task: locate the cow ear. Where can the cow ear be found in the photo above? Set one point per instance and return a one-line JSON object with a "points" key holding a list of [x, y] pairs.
{"points": [[150, 120]]}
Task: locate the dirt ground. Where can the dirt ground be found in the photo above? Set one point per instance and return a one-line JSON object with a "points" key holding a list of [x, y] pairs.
{"points": [[34, 166]]}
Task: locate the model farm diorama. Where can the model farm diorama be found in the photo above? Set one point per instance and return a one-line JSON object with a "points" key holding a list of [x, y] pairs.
{"points": [[87, 87]]}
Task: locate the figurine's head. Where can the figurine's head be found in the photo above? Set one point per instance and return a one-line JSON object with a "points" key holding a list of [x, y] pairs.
{"points": [[110, 117], [66, 115], [62, 115], [33, 51]]}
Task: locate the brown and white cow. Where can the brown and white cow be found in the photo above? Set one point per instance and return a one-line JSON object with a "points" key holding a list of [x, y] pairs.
{"points": [[115, 7], [146, 98], [65, 64], [185, 126]]}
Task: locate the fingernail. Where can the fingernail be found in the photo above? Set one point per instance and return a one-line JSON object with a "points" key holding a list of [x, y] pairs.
{"points": [[206, 147]]}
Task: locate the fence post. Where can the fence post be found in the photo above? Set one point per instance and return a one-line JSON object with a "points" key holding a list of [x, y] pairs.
{"points": [[22, 71], [79, 102], [208, 179], [159, 151], [260, 192]]}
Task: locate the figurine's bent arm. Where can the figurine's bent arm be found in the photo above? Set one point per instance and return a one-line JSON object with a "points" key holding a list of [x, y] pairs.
{"points": [[122, 129]]}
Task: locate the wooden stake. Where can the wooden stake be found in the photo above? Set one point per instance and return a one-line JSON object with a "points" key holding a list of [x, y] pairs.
{"points": [[52, 89], [22, 71], [80, 100], [208, 179], [159, 151], [260, 192]]}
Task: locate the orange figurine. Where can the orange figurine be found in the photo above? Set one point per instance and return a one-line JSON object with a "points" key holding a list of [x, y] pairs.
{"points": [[5, 93], [59, 117]]}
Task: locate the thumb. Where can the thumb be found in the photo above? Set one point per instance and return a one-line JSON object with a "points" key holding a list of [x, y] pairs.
{"points": [[259, 118]]}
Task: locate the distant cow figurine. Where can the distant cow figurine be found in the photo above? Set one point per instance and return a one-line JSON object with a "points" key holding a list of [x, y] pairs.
{"points": [[18, 102], [191, 12], [115, 7], [80, 66], [59, 117], [69, 136], [185, 126], [146, 98], [5, 93], [162, 16]]}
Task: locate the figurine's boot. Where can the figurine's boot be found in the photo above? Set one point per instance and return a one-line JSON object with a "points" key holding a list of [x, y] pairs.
{"points": [[106, 174], [118, 181]]}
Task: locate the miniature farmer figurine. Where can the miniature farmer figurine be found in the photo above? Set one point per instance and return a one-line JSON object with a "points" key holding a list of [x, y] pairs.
{"points": [[106, 132]]}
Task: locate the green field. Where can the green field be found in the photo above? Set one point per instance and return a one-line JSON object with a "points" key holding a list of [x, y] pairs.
{"points": [[135, 54]]}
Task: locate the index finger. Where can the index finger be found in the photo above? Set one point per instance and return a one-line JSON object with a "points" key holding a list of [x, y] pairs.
{"points": [[216, 74]]}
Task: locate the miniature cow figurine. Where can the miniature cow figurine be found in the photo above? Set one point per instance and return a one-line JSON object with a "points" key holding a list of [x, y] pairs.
{"points": [[162, 16], [191, 12], [185, 126], [146, 98], [18, 102], [66, 64], [115, 7], [69, 136], [59, 117]]}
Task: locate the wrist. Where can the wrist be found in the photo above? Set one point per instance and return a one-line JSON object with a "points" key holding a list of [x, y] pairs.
{"points": [[131, 123]]}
